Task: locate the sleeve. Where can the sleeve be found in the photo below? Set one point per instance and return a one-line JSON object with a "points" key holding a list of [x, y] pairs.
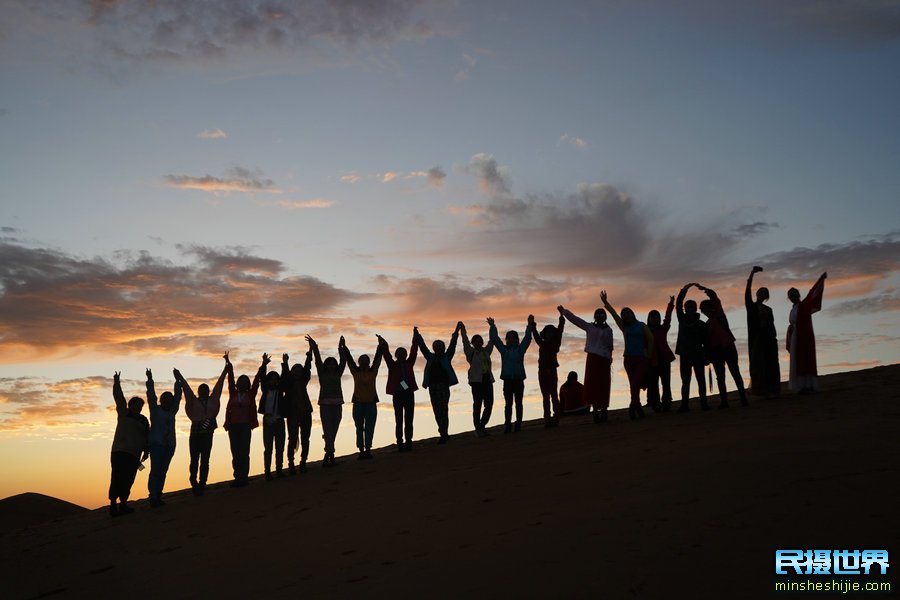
{"points": [[467, 347], [318, 357], [189, 397], [667, 321], [813, 300], [495, 339], [679, 303], [119, 397], [178, 394], [420, 342], [215, 398], [536, 335], [529, 332], [451, 349], [151, 394], [575, 319], [614, 314], [413, 353], [376, 363]]}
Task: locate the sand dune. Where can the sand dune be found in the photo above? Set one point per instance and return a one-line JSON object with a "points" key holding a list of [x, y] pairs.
{"points": [[673, 506], [25, 510]]}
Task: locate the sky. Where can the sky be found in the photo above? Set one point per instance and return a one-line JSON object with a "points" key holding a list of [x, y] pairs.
{"points": [[181, 179]]}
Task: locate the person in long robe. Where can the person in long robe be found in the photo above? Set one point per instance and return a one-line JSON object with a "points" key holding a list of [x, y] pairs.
{"points": [[765, 372], [801, 339]]}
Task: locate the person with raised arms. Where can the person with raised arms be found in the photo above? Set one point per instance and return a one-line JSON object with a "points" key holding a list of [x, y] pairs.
{"points": [[240, 421], [365, 397], [762, 341], [639, 349], [722, 349], [202, 409], [438, 378], [297, 408], [401, 386], [130, 447], [162, 435], [801, 339], [271, 407], [512, 370], [549, 340], [480, 377], [331, 396], [660, 369], [691, 347], [598, 347]]}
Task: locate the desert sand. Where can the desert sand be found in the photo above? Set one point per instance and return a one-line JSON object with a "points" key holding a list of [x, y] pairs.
{"points": [[669, 507]]}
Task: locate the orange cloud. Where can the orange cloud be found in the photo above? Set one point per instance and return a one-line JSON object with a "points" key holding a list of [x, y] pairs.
{"points": [[212, 134]]}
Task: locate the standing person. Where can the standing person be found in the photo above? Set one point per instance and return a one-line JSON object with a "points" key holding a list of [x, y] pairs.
{"points": [[401, 386], [660, 370], [480, 377], [297, 408], [571, 397], [691, 346], [365, 398], [762, 341], [722, 350], [162, 436], [130, 447], [240, 421], [512, 370], [438, 378], [271, 407], [598, 346], [638, 353], [331, 396], [801, 339], [202, 409], [548, 341]]}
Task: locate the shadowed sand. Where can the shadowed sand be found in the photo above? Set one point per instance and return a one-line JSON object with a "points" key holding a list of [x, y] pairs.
{"points": [[28, 509], [672, 506]]}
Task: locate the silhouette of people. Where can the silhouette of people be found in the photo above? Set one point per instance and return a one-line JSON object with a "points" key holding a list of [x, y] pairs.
{"points": [[365, 398], [402, 386], [271, 407], [639, 342], [691, 347], [439, 377], [762, 342], [660, 370], [331, 396], [598, 346], [240, 421], [202, 409], [512, 370], [131, 446], [571, 397], [722, 350], [801, 339], [162, 436], [548, 341], [481, 379], [297, 409]]}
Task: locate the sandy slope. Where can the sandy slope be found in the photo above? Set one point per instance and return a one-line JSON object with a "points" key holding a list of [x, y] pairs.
{"points": [[25, 510], [673, 506]]}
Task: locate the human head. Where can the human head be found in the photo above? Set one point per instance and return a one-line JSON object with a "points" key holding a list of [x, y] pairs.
{"points": [[794, 295], [273, 379], [363, 361], [548, 332], [573, 376], [690, 307], [653, 318], [136, 405], [762, 294], [243, 383], [512, 337], [599, 316], [296, 371], [400, 353], [477, 341], [166, 400], [203, 391], [628, 316], [706, 307], [438, 346], [330, 364]]}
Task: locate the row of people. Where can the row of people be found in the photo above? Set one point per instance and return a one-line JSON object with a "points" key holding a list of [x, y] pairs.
{"points": [[286, 408]]}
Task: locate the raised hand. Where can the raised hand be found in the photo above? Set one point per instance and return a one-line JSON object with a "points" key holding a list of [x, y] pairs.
{"points": [[227, 360], [265, 359], [416, 332], [603, 296], [561, 309], [757, 269], [490, 321], [461, 326], [117, 376], [825, 275], [531, 319], [311, 341], [285, 357], [177, 374], [149, 375], [342, 343], [671, 298]]}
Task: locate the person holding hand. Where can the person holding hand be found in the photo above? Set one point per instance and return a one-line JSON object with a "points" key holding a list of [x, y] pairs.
{"points": [[162, 435], [130, 447]]}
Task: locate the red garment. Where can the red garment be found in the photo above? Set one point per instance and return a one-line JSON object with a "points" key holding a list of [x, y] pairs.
{"points": [[805, 342], [241, 407], [597, 380], [636, 368], [571, 396], [717, 324]]}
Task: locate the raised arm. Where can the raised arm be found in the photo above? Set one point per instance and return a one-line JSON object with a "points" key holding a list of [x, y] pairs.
{"points": [[572, 318], [229, 368], [215, 397], [529, 332], [342, 364], [118, 396], [610, 309], [413, 351], [314, 347], [451, 349], [178, 392], [376, 362], [667, 321], [348, 358], [384, 349], [813, 299], [679, 303], [420, 342], [189, 396], [748, 294], [492, 334], [151, 391], [467, 347]]}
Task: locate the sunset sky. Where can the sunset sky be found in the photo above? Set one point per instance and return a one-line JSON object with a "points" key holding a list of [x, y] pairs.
{"points": [[180, 179]]}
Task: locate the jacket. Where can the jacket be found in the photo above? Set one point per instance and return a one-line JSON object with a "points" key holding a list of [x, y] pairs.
{"points": [[444, 361], [197, 410], [478, 360], [401, 371], [162, 421], [512, 358], [241, 407], [132, 431]]}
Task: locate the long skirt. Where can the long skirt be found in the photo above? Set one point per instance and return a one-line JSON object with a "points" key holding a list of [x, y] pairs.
{"points": [[597, 380]]}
